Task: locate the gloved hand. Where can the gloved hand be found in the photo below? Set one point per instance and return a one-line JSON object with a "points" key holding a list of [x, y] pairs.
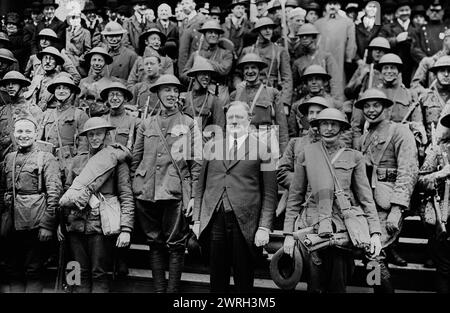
{"points": [[289, 244], [393, 219], [261, 237]]}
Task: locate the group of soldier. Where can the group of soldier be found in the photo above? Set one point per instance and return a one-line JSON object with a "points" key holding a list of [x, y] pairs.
{"points": [[191, 129]]}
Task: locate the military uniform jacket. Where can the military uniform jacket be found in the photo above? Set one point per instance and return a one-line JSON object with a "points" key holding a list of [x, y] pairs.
{"points": [[285, 173], [205, 105], [400, 155], [70, 123], [141, 93], [189, 39], [27, 209], [268, 109], [350, 169], [118, 184], [154, 176], [220, 59], [435, 104], [423, 77], [137, 73], [358, 83], [328, 62], [278, 63], [427, 40], [126, 128], [37, 92], [123, 61], [403, 100]]}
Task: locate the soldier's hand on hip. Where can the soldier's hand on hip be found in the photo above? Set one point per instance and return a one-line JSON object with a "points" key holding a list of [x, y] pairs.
{"points": [[288, 246], [261, 237], [393, 219], [189, 208], [123, 240], [45, 234], [375, 245]]}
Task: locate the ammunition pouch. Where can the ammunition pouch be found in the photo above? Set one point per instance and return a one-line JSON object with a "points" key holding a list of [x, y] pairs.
{"points": [[387, 175], [384, 187]]}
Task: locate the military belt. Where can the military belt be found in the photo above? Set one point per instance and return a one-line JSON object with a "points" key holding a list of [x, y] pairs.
{"points": [[387, 174]]}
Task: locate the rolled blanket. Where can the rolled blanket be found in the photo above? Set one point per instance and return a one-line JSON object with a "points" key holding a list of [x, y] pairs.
{"points": [[96, 172]]}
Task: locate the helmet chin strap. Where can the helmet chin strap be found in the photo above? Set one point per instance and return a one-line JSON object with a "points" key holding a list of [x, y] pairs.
{"points": [[381, 116]]}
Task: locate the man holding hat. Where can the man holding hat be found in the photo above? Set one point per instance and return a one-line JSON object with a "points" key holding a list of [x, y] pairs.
{"points": [[31, 187], [279, 73], [164, 182], [399, 35], [427, 39], [237, 25], [321, 169], [265, 104], [115, 96], [221, 59], [48, 8], [123, 57], [314, 54], [337, 38], [137, 24], [390, 154], [200, 102], [88, 243]]}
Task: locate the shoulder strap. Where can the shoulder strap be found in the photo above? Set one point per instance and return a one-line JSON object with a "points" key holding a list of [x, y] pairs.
{"points": [[255, 99], [392, 129], [330, 165], [40, 164]]}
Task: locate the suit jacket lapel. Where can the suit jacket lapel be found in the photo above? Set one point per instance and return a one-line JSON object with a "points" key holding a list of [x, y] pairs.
{"points": [[246, 148]]}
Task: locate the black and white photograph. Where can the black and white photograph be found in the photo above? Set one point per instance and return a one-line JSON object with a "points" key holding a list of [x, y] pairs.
{"points": [[229, 155]]}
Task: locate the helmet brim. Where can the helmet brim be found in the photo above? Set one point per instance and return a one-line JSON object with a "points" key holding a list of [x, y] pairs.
{"points": [[74, 88], [386, 102], [84, 132]]}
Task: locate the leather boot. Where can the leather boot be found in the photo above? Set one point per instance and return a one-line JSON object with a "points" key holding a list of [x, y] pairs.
{"points": [[176, 264], [394, 258], [158, 262]]}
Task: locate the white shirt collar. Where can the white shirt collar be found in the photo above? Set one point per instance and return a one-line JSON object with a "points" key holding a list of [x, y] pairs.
{"points": [[240, 141], [405, 25], [165, 24]]}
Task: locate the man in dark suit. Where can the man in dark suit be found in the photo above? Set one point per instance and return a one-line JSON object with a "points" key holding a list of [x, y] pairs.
{"points": [[50, 21], [399, 33], [168, 28], [368, 29], [235, 201]]}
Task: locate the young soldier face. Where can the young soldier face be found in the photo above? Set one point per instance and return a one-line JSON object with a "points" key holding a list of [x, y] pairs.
{"points": [[238, 120], [97, 63], [266, 32], [62, 93], [12, 89], [24, 133], [307, 40], [377, 54], [212, 37], [313, 111], [443, 76], [329, 130], [116, 98], [389, 73], [251, 72], [238, 11], [152, 66], [203, 79], [372, 109], [315, 83], [48, 62], [96, 137], [153, 41], [169, 96]]}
